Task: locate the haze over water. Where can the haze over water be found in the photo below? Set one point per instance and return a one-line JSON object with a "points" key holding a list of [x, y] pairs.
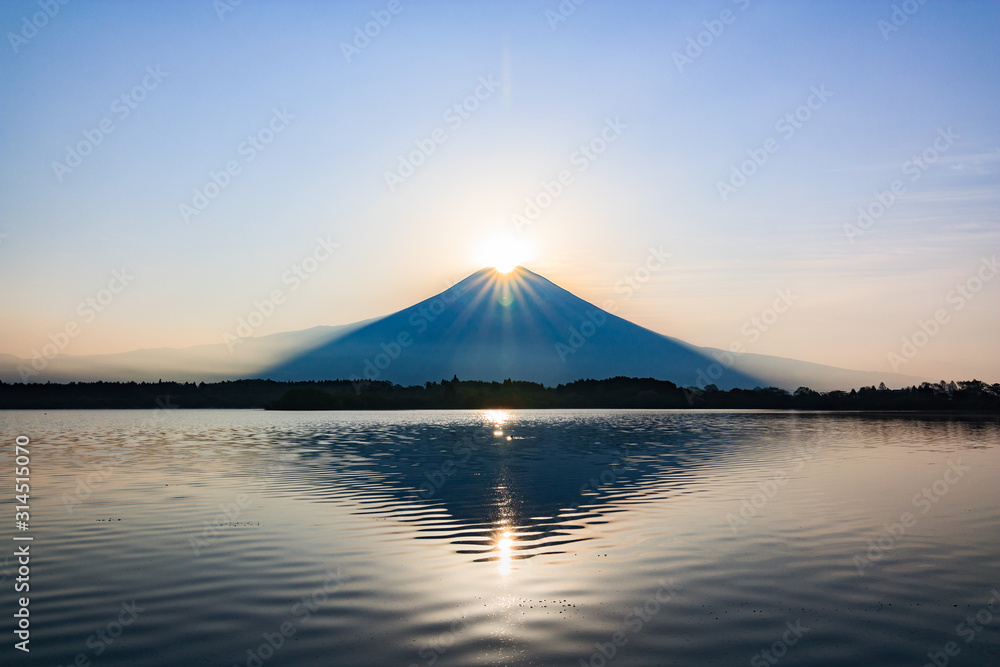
{"points": [[508, 538]]}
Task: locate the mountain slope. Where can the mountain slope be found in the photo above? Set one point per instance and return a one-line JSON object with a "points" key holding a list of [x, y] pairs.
{"points": [[490, 326], [791, 373], [494, 326], [200, 363]]}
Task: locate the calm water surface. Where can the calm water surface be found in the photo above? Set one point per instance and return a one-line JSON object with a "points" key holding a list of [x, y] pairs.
{"points": [[505, 538]]}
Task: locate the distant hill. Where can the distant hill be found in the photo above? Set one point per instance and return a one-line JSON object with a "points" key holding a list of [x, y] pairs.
{"points": [[200, 363]]}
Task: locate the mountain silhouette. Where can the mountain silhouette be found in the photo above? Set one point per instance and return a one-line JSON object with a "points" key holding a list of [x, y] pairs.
{"points": [[492, 326]]}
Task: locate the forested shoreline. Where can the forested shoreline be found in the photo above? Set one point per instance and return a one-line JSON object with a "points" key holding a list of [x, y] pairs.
{"points": [[620, 392]]}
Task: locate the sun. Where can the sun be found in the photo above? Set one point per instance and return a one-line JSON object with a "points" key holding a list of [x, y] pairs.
{"points": [[504, 253]]}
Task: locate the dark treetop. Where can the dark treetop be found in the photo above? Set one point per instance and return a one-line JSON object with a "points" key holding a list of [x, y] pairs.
{"points": [[619, 392]]}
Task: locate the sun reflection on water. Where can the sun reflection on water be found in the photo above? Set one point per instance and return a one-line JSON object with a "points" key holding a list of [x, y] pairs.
{"points": [[505, 546], [496, 417]]}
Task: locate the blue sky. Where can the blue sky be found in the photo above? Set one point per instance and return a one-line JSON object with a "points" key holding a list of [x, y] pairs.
{"points": [[552, 88]]}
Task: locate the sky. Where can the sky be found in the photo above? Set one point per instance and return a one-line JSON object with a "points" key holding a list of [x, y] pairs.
{"points": [[814, 180]]}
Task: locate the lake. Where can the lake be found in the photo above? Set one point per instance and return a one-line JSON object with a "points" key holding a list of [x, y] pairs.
{"points": [[576, 537]]}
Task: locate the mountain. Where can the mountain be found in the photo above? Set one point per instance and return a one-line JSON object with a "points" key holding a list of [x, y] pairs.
{"points": [[490, 326], [493, 326]]}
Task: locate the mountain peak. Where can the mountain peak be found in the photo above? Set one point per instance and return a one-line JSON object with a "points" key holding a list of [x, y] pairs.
{"points": [[494, 325], [501, 273]]}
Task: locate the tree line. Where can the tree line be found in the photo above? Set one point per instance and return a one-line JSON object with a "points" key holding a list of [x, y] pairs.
{"points": [[619, 392]]}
